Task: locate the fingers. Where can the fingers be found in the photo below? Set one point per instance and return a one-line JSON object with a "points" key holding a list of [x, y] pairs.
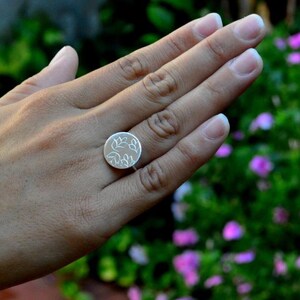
{"points": [[145, 187], [102, 84], [61, 69], [159, 89], [164, 129]]}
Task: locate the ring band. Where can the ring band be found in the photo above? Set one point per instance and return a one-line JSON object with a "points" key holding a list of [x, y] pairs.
{"points": [[122, 150]]}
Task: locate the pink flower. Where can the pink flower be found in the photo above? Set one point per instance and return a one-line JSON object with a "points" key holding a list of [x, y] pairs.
{"points": [[294, 41], [191, 278], [244, 288], [280, 215], [261, 165], [238, 135], [280, 267], [232, 231], [224, 151], [244, 257], [213, 281], [134, 293], [187, 264], [294, 58], [280, 43], [188, 260], [186, 237], [263, 121]]}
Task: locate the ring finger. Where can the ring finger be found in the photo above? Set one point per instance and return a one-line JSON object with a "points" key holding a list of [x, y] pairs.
{"points": [[159, 133]]}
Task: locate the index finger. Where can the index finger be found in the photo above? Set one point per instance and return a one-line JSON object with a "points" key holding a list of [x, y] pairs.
{"points": [[100, 85]]}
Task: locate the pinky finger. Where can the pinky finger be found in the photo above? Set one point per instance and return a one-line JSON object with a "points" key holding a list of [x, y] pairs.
{"points": [[147, 186]]}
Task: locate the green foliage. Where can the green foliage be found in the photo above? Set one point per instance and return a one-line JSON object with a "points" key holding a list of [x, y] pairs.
{"points": [[162, 18], [186, 6], [71, 290], [78, 270], [25, 54], [70, 276]]}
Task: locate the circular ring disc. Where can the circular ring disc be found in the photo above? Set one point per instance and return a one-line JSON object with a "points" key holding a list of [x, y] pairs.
{"points": [[122, 150]]}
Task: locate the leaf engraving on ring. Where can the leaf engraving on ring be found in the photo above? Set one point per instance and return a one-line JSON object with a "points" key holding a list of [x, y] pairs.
{"points": [[122, 150]]}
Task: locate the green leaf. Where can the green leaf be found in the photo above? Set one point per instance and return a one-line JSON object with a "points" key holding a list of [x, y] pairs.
{"points": [[149, 38], [107, 269], [53, 37], [127, 280], [161, 18], [78, 269], [186, 5], [69, 289], [83, 296]]}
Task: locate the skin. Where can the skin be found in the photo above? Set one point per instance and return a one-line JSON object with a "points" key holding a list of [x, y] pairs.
{"points": [[59, 198]]}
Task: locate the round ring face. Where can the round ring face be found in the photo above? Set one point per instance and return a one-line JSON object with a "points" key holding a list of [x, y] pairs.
{"points": [[122, 150]]}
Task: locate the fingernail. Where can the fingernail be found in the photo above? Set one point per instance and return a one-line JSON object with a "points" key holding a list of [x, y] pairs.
{"points": [[217, 127], [58, 56], [246, 63], [208, 25], [249, 27]]}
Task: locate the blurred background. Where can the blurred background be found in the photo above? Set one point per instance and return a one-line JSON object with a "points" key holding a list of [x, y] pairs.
{"points": [[233, 230]]}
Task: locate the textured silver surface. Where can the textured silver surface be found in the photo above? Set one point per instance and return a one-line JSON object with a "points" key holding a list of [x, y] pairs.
{"points": [[122, 150]]}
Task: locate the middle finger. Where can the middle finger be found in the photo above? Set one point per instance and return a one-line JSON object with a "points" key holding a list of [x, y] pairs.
{"points": [[159, 89]]}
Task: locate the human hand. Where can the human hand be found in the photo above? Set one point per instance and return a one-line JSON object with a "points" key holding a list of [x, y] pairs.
{"points": [[59, 197]]}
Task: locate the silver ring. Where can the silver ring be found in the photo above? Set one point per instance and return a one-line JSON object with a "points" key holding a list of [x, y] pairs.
{"points": [[122, 150]]}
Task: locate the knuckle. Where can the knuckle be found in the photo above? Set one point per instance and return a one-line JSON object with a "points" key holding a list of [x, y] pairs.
{"points": [[133, 66], [164, 124], [189, 152], [30, 85], [57, 96], [153, 177], [216, 49], [93, 120], [45, 100], [36, 104], [175, 45], [160, 84], [214, 91], [60, 133]]}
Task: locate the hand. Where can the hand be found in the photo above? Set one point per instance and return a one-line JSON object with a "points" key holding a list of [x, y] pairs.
{"points": [[59, 197]]}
